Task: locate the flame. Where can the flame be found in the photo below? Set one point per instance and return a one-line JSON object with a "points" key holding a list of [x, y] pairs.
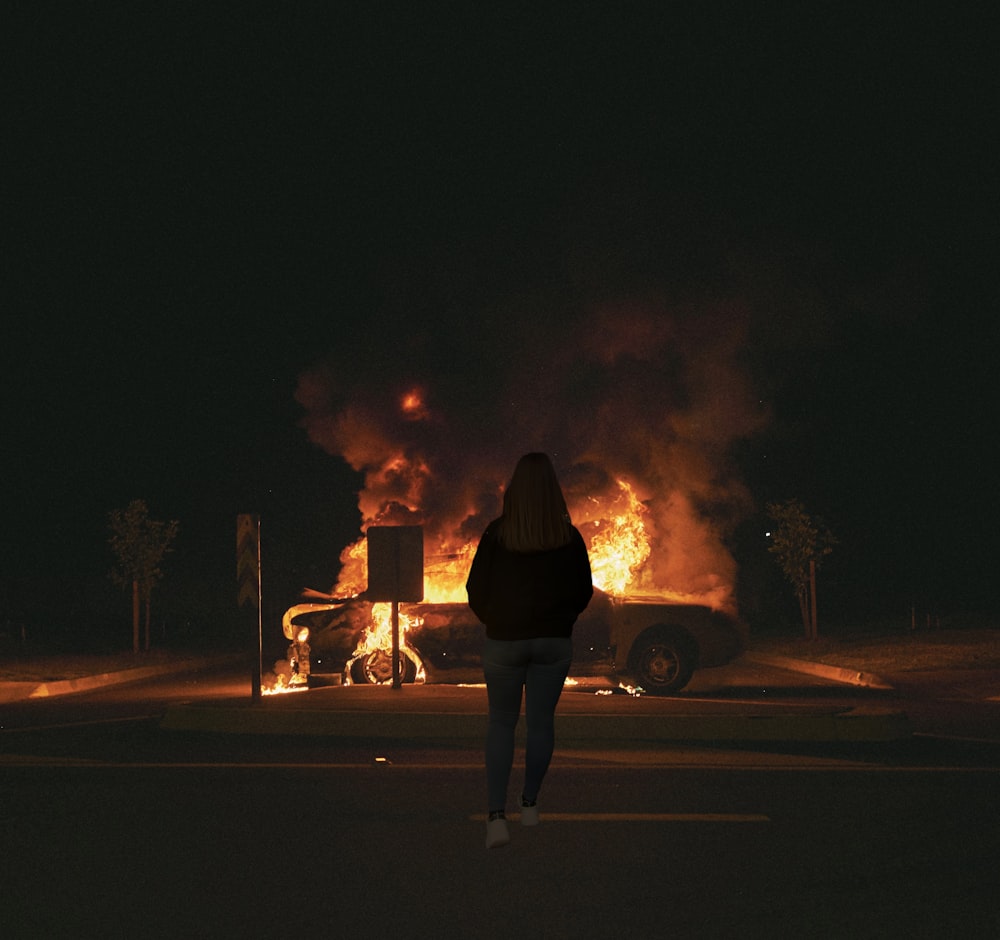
{"points": [[378, 636], [279, 685], [671, 555], [617, 541], [446, 569], [619, 545], [377, 639], [633, 550], [446, 572], [353, 570]]}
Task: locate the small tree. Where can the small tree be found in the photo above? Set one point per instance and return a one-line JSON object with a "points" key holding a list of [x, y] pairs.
{"points": [[139, 543], [800, 542]]}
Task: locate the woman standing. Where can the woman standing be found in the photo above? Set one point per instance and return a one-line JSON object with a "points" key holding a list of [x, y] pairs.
{"points": [[529, 582]]}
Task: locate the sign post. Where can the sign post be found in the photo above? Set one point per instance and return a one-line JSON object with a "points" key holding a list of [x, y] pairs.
{"points": [[395, 573], [248, 590]]}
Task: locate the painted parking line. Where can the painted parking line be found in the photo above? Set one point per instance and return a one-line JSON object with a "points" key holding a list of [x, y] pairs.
{"points": [[646, 817]]}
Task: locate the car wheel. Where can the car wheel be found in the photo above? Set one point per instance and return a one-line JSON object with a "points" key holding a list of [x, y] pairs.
{"points": [[663, 661], [375, 668]]}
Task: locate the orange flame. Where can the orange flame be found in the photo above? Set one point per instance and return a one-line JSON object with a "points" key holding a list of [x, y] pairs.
{"points": [[619, 546], [615, 526], [378, 635]]}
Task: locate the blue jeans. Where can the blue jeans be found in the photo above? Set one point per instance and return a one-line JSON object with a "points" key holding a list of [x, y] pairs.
{"points": [[539, 667]]}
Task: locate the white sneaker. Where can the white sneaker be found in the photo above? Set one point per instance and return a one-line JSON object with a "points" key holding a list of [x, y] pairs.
{"points": [[497, 833], [529, 815]]}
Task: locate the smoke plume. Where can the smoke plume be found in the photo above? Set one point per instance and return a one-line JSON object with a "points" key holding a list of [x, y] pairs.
{"points": [[637, 393]]}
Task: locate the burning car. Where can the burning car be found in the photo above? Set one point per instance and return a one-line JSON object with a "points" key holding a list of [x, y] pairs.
{"points": [[645, 642], [662, 605]]}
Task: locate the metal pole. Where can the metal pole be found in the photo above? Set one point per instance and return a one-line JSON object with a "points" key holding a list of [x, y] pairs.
{"points": [[249, 594], [257, 678], [814, 630], [396, 678]]}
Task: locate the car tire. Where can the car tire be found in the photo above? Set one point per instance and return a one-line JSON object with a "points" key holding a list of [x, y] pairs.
{"points": [[375, 668], [662, 660]]}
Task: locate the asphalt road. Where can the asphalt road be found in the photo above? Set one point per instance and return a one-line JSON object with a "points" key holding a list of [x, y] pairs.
{"points": [[114, 827]]}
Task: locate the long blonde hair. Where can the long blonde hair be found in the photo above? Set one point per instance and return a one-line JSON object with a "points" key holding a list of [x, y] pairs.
{"points": [[534, 509]]}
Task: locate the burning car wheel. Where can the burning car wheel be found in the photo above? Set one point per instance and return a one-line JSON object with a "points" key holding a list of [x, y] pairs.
{"points": [[663, 661], [375, 668]]}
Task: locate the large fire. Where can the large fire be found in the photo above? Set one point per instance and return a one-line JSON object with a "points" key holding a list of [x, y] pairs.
{"points": [[618, 543], [637, 408]]}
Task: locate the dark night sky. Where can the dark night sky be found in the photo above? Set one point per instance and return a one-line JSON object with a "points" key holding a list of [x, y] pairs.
{"points": [[201, 201]]}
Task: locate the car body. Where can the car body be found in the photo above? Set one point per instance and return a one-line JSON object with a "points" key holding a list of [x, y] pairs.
{"points": [[648, 643], [657, 644]]}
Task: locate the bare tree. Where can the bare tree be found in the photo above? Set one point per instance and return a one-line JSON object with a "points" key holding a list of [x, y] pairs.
{"points": [[800, 541], [139, 543]]}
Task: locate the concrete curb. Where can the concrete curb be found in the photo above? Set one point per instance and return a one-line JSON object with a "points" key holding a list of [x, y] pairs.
{"points": [[834, 673], [86, 683], [16, 691]]}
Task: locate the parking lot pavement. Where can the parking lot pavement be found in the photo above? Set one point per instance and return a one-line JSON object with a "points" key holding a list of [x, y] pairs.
{"points": [[591, 710]]}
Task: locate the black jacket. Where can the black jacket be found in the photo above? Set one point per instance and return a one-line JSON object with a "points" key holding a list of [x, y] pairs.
{"points": [[522, 595]]}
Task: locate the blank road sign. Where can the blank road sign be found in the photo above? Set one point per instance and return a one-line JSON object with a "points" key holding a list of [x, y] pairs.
{"points": [[396, 563]]}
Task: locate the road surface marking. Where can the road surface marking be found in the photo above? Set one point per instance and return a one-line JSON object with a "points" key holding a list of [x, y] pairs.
{"points": [[646, 817]]}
